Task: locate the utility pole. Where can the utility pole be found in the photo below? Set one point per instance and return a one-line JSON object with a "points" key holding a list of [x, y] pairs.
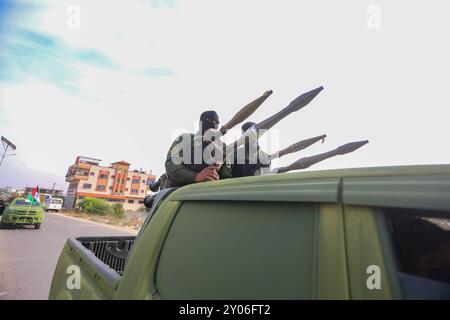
{"points": [[6, 144]]}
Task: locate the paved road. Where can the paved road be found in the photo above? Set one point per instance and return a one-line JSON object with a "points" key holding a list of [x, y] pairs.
{"points": [[28, 257]]}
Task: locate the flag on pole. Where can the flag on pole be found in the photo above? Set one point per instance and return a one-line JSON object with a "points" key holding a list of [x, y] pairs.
{"points": [[36, 194], [34, 197]]}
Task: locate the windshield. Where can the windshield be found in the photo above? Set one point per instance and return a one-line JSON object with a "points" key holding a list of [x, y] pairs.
{"points": [[56, 201], [22, 202]]}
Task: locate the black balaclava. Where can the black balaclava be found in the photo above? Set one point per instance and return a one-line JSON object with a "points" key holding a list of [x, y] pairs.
{"points": [[244, 128], [209, 120], [247, 169], [247, 126]]}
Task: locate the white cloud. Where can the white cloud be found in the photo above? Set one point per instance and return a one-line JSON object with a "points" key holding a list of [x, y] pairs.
{"points": [[223, 55]]}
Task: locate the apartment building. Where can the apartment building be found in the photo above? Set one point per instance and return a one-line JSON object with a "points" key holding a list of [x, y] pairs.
{"points": [[115, 183]]}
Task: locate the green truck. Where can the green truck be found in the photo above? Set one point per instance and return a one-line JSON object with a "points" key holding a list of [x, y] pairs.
{"points": [[22, 212], [363, 233]]}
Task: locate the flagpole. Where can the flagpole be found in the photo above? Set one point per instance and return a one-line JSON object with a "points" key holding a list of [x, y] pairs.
{"points": [[32, 198], [31, 201]]}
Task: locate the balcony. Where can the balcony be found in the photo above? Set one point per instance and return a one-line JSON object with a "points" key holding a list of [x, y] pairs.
{"points": [[82, 165], [76, 177], [76, 173]]}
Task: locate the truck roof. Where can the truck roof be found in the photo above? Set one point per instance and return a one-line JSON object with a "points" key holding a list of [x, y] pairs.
{"points": [[421, 186]]}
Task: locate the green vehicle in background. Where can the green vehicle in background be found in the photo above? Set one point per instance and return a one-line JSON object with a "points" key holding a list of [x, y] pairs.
{"points": [[361, 233], [20, 212]]}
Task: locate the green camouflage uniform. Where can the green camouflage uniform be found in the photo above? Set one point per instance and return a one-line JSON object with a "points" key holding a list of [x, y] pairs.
{"points": [[183, 174]]}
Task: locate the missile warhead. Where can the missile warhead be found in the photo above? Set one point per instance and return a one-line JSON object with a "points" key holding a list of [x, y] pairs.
{"points": [[350, 147], [294, 106], [268, 93], [245, 112], [305, 98], [299, 146], [306, 143], [268, 123], [306, 162]]}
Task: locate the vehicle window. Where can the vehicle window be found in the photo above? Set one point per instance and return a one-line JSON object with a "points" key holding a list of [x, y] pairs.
{"points": [[421, 242], [56, 201], [237, 250], [24, 203]]}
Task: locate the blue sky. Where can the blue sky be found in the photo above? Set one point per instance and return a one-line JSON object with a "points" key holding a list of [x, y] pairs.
{"points": [[28, 53], [138, 72], [39, 59]]}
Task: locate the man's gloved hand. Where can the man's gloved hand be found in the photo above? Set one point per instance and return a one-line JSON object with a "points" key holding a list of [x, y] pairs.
{"points": [[207, 174]]}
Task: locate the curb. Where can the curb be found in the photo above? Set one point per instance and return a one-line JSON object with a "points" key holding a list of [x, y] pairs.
{"points": [[98, 223]]}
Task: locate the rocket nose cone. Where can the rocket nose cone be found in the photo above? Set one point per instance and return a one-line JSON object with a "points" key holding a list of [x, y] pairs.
{"points": [[306, 98], [359, 144], [314, 92], [318, 138], [352, 146]]}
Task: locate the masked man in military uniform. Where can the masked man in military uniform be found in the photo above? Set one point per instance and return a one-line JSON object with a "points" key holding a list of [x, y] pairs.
{"points": [[250, 160], [182, 168]]}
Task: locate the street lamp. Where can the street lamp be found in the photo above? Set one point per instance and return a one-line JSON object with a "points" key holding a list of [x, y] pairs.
{"points": [[7, 144]]}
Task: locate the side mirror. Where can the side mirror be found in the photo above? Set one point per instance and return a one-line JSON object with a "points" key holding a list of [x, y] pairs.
{"points": [[148, 201], [2, 207], [154, 187]]}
